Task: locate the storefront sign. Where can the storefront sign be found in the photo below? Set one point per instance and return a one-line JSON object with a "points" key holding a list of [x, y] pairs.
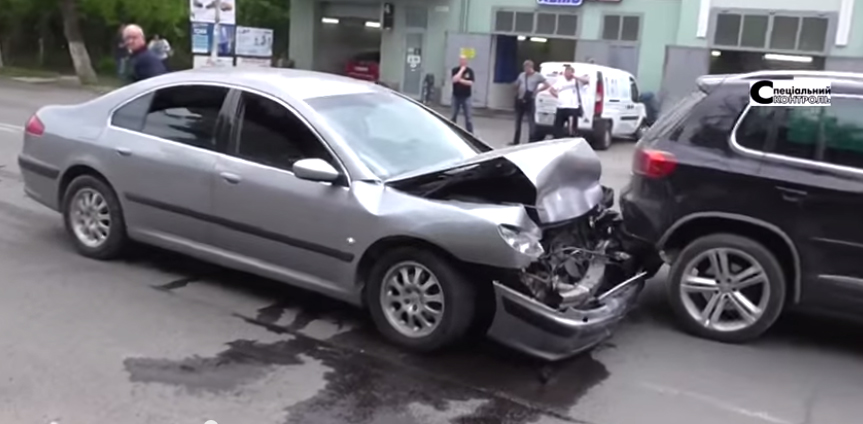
{"points": [[253, 62], [202, 38], [199, 61], [467, 52], [388, 16], [205, 11], [256, 42]]}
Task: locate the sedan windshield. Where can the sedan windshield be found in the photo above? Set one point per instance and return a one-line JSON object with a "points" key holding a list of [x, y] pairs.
{"points": [[393, 135]]}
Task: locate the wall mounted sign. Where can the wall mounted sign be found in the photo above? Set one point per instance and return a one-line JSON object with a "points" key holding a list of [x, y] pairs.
{"points": [[560, 2], [572, 2], [388, 15]]}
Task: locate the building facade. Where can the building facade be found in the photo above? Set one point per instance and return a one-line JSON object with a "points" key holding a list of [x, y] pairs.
{"points": [[665, 43]]}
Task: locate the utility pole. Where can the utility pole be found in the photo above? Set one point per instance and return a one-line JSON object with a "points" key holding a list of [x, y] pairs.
{"points": [[217, 32]]}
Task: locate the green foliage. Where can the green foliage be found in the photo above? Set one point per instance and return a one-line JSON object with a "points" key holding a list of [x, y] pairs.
{"points": [[25, 25]]}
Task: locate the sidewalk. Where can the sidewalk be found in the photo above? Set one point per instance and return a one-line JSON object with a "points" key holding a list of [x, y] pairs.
{"points": [[478, 112]]}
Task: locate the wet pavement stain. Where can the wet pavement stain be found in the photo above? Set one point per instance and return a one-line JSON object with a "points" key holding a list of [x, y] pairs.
{"points": [[309, 307], [243, 362], [516, 387], [176, 284], [360, 389]]}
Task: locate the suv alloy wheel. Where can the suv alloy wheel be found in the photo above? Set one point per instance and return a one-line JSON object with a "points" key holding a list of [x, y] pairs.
{"points": [[727, 288]]}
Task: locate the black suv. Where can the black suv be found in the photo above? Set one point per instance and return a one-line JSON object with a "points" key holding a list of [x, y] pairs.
{"points": [[756, 208]]}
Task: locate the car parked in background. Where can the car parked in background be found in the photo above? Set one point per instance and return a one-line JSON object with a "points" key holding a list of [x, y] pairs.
{"points": [[757, 208], [611, 103], [352, 190], [364, 66]]}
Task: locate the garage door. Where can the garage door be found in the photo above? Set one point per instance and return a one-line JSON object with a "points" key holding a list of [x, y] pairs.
{"points": [[478, 48], [371, 12], [843, 64], [683, 66]]}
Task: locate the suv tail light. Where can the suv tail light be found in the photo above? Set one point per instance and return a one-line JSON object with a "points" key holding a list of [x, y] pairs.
{"points": [[653, 163], [597, 105], [34, 126]]}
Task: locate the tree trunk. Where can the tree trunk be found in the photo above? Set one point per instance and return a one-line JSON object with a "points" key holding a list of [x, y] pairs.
{"points": [[1, 53], [77, 48]]}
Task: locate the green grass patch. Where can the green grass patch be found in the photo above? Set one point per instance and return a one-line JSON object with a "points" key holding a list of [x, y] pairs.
{"points": [[15, 72]]}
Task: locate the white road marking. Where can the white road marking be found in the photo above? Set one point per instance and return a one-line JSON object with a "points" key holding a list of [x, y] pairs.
{"points": [[716, 402], [11, 128]]}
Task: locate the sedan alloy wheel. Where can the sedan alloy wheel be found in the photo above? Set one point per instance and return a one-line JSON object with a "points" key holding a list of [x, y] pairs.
{"points": [[412, 299]]}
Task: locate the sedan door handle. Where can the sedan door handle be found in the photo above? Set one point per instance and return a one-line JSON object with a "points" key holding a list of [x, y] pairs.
{"points": [[792, 194], [231, 178], [124, 151]]}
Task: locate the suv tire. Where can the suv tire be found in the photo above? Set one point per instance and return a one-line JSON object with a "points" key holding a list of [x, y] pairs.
{"points": [[771, 286], [456, 311]]}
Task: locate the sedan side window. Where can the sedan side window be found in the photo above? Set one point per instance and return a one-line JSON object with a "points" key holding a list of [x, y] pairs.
{"points": [[131, 116], [272, 135], [186, 114], [843, 133]]}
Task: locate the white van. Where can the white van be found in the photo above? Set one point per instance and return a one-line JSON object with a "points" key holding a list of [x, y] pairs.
{"points": [[611, 104]]}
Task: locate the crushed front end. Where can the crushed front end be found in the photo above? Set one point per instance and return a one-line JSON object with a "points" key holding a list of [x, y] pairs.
{"points": [[570, 298]]}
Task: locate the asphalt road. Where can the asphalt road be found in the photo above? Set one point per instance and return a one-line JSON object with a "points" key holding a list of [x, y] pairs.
{"points": [[160, 339]]}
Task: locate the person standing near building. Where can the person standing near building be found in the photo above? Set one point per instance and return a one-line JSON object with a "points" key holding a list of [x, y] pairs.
{"points": [[462, 83], [143, 63], [527, 85], [121, 53], [568, 91], [161, 48]]}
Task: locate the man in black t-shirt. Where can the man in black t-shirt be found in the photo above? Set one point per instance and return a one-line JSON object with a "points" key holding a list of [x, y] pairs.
{"points": [[462, 81]]}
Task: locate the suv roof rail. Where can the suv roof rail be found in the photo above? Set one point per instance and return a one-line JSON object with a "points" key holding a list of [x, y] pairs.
{"points": [[707, 82], [791, 74]]}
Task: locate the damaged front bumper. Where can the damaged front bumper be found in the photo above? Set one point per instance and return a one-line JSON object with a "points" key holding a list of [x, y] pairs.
{"points": [[538, 330]]}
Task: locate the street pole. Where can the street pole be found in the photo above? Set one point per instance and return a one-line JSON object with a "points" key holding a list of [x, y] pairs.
{"points": [[217, 33]]}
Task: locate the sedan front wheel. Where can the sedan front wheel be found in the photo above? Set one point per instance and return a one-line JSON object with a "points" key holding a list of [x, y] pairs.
{"points": [[419, 300]]}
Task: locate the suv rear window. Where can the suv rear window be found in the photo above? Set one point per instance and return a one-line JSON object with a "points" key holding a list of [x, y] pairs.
{"points": [[669, 120]]}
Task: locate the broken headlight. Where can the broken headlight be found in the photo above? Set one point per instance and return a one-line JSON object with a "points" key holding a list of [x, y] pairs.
{"points": [[524, 242]]}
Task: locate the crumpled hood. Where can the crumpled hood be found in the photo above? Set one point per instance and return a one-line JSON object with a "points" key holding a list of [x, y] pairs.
{"points": [[565, 173]]}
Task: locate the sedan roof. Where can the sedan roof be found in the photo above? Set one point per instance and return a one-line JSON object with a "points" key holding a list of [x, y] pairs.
{"points": [[299, 84]]}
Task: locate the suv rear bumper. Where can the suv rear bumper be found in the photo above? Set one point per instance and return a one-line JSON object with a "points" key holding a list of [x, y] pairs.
{"points": [[643, 217]]}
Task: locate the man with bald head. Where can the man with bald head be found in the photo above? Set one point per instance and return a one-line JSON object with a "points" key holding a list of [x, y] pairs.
{"points": [[143, 63]]}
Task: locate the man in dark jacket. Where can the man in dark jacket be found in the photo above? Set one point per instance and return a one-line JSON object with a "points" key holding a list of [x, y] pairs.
{"points": [[143, 63]]}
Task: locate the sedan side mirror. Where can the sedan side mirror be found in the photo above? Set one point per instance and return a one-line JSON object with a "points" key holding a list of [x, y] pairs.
{"points": [[315, 170]]}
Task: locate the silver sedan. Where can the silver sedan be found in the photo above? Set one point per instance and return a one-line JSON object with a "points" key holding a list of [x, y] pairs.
{"points": [[351, 190]]}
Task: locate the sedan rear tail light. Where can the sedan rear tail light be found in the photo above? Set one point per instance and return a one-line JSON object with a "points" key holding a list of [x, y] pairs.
{"points": [[34, 126], [653, 163]]}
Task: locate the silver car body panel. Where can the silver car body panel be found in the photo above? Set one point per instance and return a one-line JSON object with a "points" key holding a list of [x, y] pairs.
{"points": [[310, 234]]}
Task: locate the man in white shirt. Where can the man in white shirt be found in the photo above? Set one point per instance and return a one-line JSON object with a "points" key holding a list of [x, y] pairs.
{"points": [[568, 91]]}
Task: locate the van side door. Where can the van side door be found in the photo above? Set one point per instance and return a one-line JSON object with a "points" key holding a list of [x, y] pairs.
{"points": [[636, 111]]}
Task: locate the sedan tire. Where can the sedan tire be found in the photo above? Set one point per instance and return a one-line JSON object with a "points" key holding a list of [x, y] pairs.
{"points": [[93, 218], [419, 300], [727, 288]]}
